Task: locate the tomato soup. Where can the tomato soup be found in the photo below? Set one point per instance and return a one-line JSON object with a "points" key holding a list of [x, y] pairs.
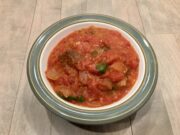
{"points": [[92, 67]]}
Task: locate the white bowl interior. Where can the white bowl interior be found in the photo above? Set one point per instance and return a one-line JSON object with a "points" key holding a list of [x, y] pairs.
{"points": [[53, 41]]}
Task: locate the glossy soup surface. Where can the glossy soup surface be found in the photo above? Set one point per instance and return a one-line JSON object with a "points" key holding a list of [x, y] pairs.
{"points": [[92, 67]]}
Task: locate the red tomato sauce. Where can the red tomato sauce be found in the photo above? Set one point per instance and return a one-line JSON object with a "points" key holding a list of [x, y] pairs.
{"points": [[92, 67]]}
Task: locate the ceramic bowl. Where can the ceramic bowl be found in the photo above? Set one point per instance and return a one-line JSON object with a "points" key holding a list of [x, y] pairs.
{"points": [[135, 99]]}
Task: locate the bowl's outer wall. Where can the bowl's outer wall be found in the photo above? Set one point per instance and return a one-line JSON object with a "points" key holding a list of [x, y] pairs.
{"points": [[92, 117]]}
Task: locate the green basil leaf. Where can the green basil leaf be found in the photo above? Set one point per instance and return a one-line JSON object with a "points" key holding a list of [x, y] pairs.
{"points": [[78, 98], [101, 67]]}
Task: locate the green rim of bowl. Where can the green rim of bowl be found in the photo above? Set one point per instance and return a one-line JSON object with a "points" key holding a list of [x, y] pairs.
{"points": [[83, 116]]}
